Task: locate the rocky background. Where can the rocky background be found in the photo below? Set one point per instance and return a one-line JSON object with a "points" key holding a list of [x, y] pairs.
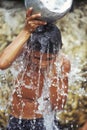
{"points": [[73, 27]]}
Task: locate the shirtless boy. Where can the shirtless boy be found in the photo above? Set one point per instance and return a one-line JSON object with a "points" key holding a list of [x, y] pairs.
{"points": [[43, 46]]}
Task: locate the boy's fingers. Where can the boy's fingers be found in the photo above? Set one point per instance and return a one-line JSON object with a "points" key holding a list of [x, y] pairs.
{"points": [[35, 16], [29, 11], [35, 22]]}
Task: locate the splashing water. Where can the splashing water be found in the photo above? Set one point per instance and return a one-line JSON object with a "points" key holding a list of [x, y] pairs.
{"points": [[44, 105], [76, 77]]}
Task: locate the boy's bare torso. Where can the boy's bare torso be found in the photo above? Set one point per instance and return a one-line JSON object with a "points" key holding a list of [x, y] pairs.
{"points": [[24, 101]]}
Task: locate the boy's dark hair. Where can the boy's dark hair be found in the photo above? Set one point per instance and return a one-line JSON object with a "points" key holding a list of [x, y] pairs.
{"points": [[46, 39]]}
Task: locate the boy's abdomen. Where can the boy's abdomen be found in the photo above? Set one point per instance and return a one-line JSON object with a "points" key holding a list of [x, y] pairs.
{"points": [[24, 108]]}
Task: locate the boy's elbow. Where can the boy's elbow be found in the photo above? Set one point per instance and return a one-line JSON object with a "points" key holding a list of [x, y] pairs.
{"points": [[3, 65]]}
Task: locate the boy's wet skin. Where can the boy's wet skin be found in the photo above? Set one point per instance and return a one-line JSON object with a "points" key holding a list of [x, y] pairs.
{"points": [[25, 99], [44, 43]]}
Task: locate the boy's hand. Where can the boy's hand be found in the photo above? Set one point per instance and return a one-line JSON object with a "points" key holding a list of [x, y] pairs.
{"points": [[31, 20]]}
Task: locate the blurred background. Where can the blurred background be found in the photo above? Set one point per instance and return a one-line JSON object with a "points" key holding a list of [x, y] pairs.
{"points": [[73, 27]]}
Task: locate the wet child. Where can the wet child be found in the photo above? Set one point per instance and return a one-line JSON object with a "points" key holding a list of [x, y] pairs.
{"points": [[44, 83]]}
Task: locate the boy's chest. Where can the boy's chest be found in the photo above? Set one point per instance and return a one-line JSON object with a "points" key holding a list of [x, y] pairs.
{"points": [[30, 85]]}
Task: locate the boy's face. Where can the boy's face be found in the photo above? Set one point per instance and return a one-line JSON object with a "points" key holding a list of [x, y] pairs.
{"points": [[42, 60]]}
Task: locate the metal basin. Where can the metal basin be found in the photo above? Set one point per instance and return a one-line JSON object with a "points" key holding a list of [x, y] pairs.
{"points": [[51, 10]]}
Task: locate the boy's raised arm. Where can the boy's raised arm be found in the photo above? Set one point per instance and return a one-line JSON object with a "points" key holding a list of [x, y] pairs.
{"points": [[10, 53]]}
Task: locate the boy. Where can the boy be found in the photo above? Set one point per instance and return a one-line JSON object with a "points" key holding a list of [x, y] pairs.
{"points": [[44, 67]]}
